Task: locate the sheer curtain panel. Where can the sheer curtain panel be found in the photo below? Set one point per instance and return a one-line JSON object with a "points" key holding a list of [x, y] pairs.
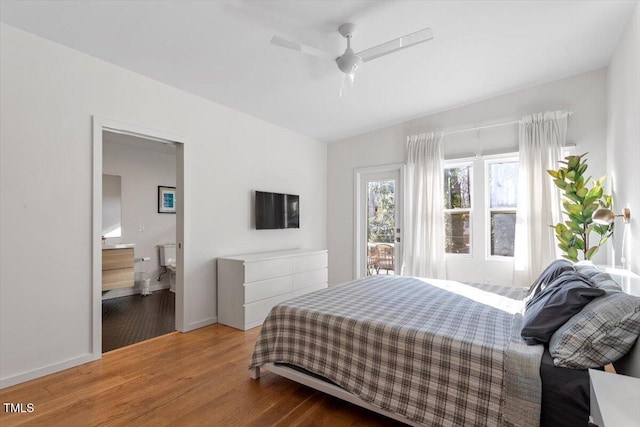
{"points": [[542, 137], [423, 249]]}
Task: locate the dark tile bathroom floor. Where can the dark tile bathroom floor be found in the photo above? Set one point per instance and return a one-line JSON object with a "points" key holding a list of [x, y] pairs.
{"points": [[131, 319]]}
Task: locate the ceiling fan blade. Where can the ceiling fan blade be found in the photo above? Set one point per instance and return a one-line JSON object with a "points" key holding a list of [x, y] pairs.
{"points": [[308, 50], [395, 45]]}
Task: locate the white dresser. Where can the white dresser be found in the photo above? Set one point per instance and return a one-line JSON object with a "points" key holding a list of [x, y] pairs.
{"points": [[249, 285]]}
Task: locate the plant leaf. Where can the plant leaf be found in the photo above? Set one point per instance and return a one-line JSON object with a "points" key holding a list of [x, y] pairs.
{"points": [[576, 218], [575, 227], [560, 183], [567, 235], [574, 198], [560, 228], [595, 192], [588, 200], [603, 239], [574, 161], [573, 209], [591, 252]]}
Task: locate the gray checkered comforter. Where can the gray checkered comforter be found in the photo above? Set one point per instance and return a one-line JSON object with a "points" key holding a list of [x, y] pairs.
{"points": [[439, 353]]}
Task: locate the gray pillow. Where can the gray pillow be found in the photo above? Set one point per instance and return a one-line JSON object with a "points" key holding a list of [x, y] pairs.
{"points": [[601, 279], [548, 275], [565, 296], [603, 332]]}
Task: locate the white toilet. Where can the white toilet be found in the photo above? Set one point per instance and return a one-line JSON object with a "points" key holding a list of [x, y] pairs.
{"points": [[168, 261]]}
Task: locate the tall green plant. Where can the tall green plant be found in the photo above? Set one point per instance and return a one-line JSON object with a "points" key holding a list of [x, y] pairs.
{"points": [[579, 202]]}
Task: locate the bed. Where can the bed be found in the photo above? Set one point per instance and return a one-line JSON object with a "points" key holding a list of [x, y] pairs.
{"points": [[422, 351]]}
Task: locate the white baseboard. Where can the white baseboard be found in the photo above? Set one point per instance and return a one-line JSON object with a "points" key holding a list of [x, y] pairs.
{"points": [[124, 292], [77, 361], [47, 370], [201, 324]]}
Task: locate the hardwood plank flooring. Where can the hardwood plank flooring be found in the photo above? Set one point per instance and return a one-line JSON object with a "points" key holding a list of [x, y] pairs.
{"points": [[199, 378]]}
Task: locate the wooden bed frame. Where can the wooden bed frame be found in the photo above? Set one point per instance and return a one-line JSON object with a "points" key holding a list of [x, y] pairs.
{"points": [[325, 387]]}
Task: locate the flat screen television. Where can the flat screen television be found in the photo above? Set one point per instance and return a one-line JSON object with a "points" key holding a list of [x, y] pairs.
{"points": [[276, 210]]}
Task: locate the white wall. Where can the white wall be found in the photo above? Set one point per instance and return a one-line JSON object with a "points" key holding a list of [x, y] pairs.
{"points": [[143, 165], [49, 94], [623, 138], [584, 94]]}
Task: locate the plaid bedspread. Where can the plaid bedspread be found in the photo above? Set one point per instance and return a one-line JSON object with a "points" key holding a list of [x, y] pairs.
{"points": [[437, 352]]}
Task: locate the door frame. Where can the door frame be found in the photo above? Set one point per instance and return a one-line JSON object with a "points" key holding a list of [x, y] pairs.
{"points": [[101, 124], [360, 174]]}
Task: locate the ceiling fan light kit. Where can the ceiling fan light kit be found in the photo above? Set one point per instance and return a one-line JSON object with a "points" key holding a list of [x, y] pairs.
{"points": [[349, 61]]}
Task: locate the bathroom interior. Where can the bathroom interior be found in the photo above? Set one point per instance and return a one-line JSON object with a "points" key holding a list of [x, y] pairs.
{"points": [[138, 239]]}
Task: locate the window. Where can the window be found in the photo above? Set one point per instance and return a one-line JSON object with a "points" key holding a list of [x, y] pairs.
{"points": [[502, 194], [457, 203], [481, 209]]}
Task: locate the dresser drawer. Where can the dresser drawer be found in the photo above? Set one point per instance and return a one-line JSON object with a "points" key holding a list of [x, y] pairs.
{"points": [[255, 312], [310, 262], [262, 289], [261, 270], [310, 278]]}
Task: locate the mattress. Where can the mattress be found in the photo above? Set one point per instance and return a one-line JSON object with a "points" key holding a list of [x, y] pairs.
{"points": [[432, 351]]}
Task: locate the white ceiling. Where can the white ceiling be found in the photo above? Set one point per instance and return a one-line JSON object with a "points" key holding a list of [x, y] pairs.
{"points": [[220, 50]]}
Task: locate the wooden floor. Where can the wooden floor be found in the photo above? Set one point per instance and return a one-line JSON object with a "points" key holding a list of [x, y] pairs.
{"points": [[200, 378]]}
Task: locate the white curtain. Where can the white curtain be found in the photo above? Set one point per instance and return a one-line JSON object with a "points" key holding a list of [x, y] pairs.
{"points": [[423, 250], [542, 137]]}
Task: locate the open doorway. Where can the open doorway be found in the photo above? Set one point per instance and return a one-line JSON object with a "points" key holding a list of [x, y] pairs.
{"points": [[138, 239], [138, 290]]}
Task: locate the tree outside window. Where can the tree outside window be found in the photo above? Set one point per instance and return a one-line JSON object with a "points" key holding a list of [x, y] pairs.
{"points": [[457, 203], [381, 211]]}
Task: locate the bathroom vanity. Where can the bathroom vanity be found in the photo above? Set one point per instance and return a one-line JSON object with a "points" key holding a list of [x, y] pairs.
{"points": [[117, 266]]}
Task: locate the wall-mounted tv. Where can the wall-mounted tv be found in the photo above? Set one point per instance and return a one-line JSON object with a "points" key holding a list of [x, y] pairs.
{"points": [[275, 210]]}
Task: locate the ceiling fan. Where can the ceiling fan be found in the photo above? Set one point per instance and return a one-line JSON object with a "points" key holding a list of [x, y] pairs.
{"points": [[349, 61]]}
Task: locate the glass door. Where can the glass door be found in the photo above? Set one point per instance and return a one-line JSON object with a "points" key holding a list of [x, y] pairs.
{"points": [[381, 225], [379, 219]]}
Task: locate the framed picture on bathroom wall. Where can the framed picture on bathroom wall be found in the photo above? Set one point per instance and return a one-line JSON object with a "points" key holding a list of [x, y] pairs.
{"points": [[166, 199]]}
